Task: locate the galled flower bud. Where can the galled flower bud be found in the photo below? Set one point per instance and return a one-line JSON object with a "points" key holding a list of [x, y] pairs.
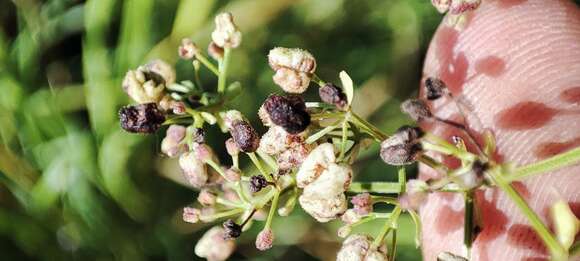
{"points": [[147, 83], [230, 117], [401, 148], [202, 152], [206, 197], [350, 217], [141, 118], [257, 183], [231, 230], [435, 88], [288, 112], [441, 5], [317, 161], [293, 156], [233, 174], [358, 247], [292, 58], [458, 7], [332, 94], [188, 49], [216, 52], [191, 215], [226, 33], [363, 204], [292, 81], [245, 136], [474, 177], [323, 209], [173, 145], [416, 109], [195, 170], [213, 247], [264, 240]]}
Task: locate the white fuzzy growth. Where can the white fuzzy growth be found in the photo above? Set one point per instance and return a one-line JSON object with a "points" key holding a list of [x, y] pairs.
{"points": [[323, 209], [195, 170], [293, 58], [333, 181], [213, 247], [226, 33], [274, 141], [291, 81], [316, 162]]}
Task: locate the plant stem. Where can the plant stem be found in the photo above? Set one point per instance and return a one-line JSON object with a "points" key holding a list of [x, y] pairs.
{"points": [[201, 58], [468, 221], [393, 250], [556, 250], [371, 129], [389, 224], [226, 213], [218, 169], [258, 165], [273, 208], [403, 179], [224, 70], [559, 161], [376, 187]]}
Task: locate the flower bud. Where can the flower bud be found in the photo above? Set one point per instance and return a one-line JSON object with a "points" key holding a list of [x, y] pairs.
{"points": [[435, 88], [264, 117], [401, 148], [147, 83], [441, 5], [458, 7], [172, 145], [359, 247], [415, 194], [257, 183], [264, 240], [293, 156], [232, 116], [288, 112], [350, 217], [323, 209], [188, 49], [195, 170], [274, 141], [363, 204], [293, 58], [332, 94], [474, 177], [213, 247], [332, 181], [231, 230], [207, 214], [191, 215], [216, 52], [206, 197], [245, 136], [566, 224], [141, 118], [226, 33], [233, 174], [231, 147], [416, 109], [317, 161], [202, 152], [291, 81]]}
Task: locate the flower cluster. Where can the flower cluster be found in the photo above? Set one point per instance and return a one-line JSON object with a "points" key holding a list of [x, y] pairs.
{"points": [[306, 155]]}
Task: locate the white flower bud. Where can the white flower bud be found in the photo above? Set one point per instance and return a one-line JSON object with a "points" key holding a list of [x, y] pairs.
{"points": [[334, 180], [292, 58], [264, 240], [191, 215], [350, 217], [293, 156], [232, 116], [323, 209], [226, 33], [213, 246], [188, 49], [264, 116], [358, 248], [231, 147], [316, 162], [195, 170], [172, 143], [441, 5], [292, 81], [206, 197], [147, 83], [273, 142]]}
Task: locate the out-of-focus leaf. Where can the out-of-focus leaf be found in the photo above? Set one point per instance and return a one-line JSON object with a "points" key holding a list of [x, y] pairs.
{"points": [[135, 33], [347, 86]]}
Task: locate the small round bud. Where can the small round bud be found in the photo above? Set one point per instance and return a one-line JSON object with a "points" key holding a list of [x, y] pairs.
{"points": [[142, 118], [441, 5], [332, 94], [231, 147], [401, 148], [293, 58], [363, 204], [159, 72], [291, 81], [350, 217], [233, 174], [358, 247], [232, 116], [188, 49], [194, 169], [172, 145], [206, 197], [213, 247], [416, 109], [264, 240], [257, 183], [216, 52], [202, 152], [226, 33], [231, 230], [191, 215], [245, 136], [197, 135], [435, 88], [207, 214], [288, 112]]}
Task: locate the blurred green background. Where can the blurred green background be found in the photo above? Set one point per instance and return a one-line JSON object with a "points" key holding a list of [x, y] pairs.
{"points": [[73, 186]]}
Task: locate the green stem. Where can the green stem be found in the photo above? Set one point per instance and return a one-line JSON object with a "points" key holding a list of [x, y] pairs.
{"points": [[393, 250], [468, 221], [258, 165], [556, 250], [403, 179], [218, 169], [271, 162], [224, 70], [273, 209], [207, 63], [559, 161], [225, 214], [344, 137], [371, 129], [375, 187], [389, 224], [317, 79]]}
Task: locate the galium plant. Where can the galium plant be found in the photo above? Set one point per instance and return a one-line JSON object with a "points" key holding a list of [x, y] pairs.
{"points": [[305, 156]]}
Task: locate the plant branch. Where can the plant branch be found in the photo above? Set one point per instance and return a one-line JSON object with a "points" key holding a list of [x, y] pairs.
{"points": [[559, 161]]}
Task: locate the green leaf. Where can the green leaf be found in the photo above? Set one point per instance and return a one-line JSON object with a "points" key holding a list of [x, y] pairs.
{"points": [[321, 133], [347, 86]]}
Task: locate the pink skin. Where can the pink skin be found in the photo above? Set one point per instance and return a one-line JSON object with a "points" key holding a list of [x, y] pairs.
{"points": [[517, 63]]}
